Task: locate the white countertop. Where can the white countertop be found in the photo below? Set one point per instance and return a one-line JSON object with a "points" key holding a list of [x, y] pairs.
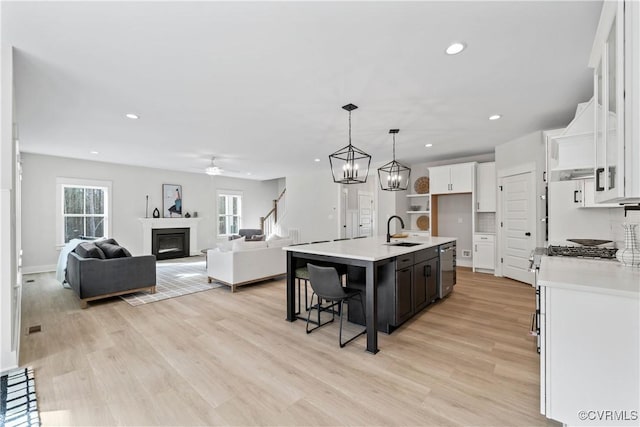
{"points": [[370, 248], [590, 275]]}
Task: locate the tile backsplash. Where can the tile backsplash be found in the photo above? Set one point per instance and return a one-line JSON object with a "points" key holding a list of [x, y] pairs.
{"points": [[486, 222]]}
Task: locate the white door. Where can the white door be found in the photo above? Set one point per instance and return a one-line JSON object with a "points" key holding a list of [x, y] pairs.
{"points": [[365, 214], [518, 225]]}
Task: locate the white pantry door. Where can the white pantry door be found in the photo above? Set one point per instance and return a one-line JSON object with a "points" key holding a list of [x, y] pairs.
{"points": [[518, 225]]}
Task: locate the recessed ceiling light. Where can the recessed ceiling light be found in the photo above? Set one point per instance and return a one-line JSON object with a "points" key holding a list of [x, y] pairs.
{"points": [[94, 152], [495, 117], [248, 173], [428, 145], [132, 116], [455, 48], [316, 160]]}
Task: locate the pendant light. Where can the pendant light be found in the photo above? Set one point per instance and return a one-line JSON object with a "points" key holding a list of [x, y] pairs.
{"points": [[350, 165], [394, 176]]}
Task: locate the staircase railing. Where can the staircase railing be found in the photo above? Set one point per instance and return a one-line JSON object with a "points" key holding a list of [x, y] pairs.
{"points": [[269, 221]]}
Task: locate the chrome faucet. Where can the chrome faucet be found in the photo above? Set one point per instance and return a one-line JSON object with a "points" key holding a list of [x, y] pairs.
{"points": [[389, 226]]}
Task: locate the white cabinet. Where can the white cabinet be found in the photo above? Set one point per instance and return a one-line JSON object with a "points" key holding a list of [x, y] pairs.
{"points": [[486, 187], [615, 59], [484, 249], [457, 178], [588, 356], [440, 179], [584, 195]]}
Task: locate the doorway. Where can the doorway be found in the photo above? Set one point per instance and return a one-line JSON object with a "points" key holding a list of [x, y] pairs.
{"points": [[517, 225], [365, 214]]}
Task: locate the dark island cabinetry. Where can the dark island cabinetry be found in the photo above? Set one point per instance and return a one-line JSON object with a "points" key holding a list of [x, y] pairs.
{"points": [[405, 287]]}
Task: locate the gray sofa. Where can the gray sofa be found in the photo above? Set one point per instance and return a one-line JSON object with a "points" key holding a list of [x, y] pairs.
{"points": [[108, 271], [250, 234]]}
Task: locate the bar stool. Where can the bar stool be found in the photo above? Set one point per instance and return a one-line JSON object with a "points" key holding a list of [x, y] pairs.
{"points": [[326, 285]]}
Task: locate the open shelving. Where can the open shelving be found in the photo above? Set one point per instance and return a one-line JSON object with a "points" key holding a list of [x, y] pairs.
{"points": [[424, 200]]}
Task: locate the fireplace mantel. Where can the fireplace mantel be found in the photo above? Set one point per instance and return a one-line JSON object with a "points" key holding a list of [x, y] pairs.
{"points": [[149, 224]]}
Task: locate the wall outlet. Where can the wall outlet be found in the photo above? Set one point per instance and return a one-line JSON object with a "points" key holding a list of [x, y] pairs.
{"points": [[466, 253]]}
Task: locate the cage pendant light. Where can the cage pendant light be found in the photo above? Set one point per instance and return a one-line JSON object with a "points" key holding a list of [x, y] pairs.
{"points": [[394, 176], [350, 165]]}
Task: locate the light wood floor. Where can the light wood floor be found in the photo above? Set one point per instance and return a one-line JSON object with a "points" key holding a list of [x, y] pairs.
{"points": [[217, 358]]}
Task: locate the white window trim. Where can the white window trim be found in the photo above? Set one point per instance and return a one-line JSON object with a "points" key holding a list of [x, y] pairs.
{"points": [[79, 182], [217, 216]]}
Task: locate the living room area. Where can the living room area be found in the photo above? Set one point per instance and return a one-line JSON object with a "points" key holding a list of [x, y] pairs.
{"points": [[196, 140]]}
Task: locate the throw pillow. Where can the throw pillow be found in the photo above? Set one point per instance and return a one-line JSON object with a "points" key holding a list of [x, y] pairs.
{"points": [[113, 251], [251, 244], [255, 238], [89, 250], [237, 244], [235, 237], [111, 241]]}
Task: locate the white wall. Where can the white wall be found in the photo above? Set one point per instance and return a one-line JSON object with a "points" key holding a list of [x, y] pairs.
{"points": [[313, 202], [130, 185], [455, 212]]}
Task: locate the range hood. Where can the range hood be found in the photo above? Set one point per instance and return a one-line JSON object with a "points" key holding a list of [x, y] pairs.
{"points": [[572, 152]]}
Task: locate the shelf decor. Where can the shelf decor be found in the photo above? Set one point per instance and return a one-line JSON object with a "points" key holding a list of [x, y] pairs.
{"points": [[423, 222], [350, 165], [394, 176], [421, 186]]}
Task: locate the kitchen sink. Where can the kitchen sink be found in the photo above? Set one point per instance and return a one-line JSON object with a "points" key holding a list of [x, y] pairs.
{"points": [[405, 244]]}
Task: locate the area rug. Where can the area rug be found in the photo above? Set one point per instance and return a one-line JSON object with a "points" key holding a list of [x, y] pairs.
{"points": [[18, 406], [175, 278]]}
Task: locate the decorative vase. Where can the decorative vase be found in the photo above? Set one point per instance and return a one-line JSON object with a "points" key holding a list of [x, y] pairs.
{"points": [[187, 215], [630, 255], [156, 213]]}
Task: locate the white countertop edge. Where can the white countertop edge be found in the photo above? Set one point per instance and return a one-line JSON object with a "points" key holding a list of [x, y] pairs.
{"points": [[607, 277], [369, 249], [591, 289]]}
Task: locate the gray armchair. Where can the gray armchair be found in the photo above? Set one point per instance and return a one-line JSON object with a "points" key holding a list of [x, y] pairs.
{"points": [[94, 278]]}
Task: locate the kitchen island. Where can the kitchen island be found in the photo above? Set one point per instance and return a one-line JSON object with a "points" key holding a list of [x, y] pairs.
{"points": [[370, 254], [589, 341]]}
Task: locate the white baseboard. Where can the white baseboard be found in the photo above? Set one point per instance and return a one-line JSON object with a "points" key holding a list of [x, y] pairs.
{"points": [[464, 263], [39, 269]]}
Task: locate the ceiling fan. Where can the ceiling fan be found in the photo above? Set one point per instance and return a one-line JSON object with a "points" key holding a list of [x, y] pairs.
{"points": [[213, 169]]}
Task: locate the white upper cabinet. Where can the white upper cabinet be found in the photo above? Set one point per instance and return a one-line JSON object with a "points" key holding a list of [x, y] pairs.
{"points": [[439, 179], [584, 195], [486, 187], [452, 178], [614, 58]]}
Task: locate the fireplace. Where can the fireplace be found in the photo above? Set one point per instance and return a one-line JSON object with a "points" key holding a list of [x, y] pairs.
{"points": [[167, 243]]}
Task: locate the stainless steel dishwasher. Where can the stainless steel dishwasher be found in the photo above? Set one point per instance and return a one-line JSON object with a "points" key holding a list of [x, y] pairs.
{"points": [[447, 269]]}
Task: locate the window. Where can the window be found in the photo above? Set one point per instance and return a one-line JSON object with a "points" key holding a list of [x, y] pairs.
{"points": [[229, 212], [83, 208]]}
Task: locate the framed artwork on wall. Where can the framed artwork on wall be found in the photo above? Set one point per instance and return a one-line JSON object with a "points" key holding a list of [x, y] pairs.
{"points": [[171, 201]]}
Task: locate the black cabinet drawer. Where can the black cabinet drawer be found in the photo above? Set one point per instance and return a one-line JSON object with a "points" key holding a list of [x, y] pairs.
{"points": [[426, 254], [404, 261]]}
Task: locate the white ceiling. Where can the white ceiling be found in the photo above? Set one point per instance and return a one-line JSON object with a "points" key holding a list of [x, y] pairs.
{"points": [[260, 85]]}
